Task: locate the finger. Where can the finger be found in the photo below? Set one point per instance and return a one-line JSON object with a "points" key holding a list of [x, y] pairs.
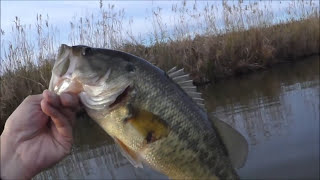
{"points": [[52, 98], [60, 121], [70, 114], [70, 100], [33, 98]]}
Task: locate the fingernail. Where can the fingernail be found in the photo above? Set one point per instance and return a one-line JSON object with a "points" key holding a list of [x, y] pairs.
{"points": [[67, 97]]}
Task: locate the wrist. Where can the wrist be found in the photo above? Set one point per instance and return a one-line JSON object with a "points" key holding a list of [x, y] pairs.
{"points": [[11, 166]]}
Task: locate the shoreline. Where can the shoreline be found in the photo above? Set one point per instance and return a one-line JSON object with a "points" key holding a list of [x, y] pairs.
{"points": [[213, 57], [268, 68]]}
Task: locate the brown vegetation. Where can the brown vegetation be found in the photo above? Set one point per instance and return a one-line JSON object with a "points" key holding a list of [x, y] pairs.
{"points": [[213, 57]]}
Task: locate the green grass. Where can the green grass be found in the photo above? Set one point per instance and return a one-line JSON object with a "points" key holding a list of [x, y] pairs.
{"points": [[248, 42]]}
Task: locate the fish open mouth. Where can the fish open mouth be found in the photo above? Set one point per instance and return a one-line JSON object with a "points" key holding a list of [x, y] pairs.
{"points": [[95, 89], [96, 95]]}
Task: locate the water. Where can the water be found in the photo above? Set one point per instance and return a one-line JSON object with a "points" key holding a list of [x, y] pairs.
{"points": [[278, 113], [276, 110]]}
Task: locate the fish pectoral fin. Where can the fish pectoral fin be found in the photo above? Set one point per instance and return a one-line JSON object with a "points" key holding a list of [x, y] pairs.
{"points": [[150, 126], [132, 157], [235, 143], [144, 128]]}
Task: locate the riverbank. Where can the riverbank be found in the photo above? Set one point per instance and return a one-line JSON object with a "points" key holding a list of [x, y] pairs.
{"points": [[211, 56]]}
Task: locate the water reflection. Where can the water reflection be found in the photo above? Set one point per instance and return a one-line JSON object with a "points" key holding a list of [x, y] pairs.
{"points": [[262, 104], [276, 110]]}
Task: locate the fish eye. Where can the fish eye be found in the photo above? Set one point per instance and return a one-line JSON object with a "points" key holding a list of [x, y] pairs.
{"points": [[86, 51], [130, 68]]}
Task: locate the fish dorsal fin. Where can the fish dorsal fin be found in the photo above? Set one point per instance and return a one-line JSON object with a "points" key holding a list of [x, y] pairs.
{"points": [[235, 143], [184, 81], [132, 157]]}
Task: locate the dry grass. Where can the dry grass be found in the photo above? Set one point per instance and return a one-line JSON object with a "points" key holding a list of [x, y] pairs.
{"points": [[214, 57], [246, 40]]}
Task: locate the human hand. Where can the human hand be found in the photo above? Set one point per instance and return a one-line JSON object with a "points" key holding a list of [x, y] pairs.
{"points": [[37, 134]]}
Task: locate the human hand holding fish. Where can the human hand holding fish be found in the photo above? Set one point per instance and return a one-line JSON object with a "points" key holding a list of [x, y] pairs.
{"points": [[37, 134]]}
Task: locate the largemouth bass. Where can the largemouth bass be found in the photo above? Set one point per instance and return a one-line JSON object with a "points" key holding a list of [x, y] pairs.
{"points": [[156, 117]]}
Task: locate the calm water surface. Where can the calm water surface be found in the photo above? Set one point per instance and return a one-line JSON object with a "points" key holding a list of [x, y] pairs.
{"points": [[277, 111]]}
